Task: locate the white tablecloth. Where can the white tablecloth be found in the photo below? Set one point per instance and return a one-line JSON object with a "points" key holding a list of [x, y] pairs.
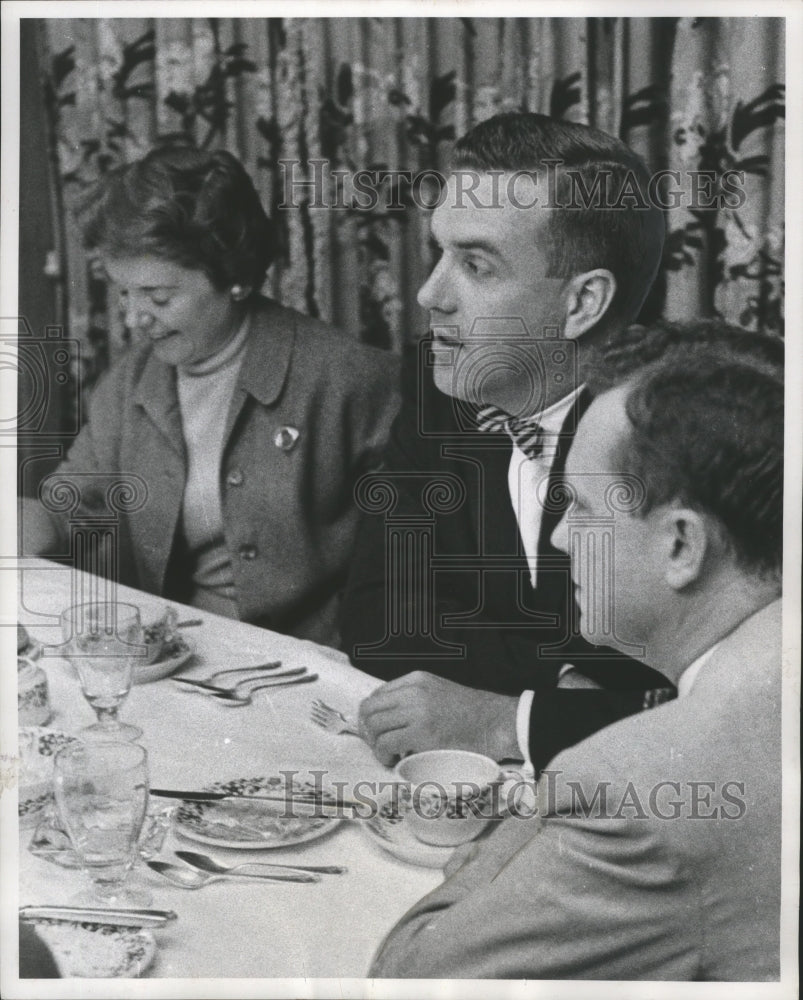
{"points": [[238, 929]]}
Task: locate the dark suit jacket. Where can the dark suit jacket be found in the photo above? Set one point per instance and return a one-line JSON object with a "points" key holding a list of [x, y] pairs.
{"points": [[439, 580]]}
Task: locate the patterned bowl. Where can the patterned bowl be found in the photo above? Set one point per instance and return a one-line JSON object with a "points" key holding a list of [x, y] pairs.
{"points": [[37, 747]]}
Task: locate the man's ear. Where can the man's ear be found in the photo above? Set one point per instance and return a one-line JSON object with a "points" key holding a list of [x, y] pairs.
{"points": [[687, 536], [588, 297]]}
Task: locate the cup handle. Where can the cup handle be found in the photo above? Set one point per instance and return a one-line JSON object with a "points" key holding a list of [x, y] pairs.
{"points": [[511, 776]]}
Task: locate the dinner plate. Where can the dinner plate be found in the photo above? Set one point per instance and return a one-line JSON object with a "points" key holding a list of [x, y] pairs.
{"points": [[178, 653], [251, 825], [97, 951]]}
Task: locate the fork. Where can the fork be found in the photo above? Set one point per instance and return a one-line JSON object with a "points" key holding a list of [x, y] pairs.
{"points": [[205, 687], [330, 719], [212, 678], [272, 665], [235, 699]]}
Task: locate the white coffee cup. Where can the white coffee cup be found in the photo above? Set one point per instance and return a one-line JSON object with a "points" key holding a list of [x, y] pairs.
{"points": [[450, 798]]}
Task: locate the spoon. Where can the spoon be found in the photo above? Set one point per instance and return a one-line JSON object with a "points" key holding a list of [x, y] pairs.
{"points": [[191, 878], [232, 700], [208, 864]]}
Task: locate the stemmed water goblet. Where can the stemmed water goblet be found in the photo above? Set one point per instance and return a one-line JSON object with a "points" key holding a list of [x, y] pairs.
{"points": [[103, 641], [101, 792]]}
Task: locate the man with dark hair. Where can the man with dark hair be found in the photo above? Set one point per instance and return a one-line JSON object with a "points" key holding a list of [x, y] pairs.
{"points": [[595, 187], [656, 854], [456, 596]]}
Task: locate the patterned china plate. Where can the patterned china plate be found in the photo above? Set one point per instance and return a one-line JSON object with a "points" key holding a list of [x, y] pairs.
{"points": [[38, 746], [172, 658], [251, 825], [97, 951], [391, 833]]}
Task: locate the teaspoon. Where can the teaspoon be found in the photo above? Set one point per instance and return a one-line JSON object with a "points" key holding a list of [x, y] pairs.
{"points": [[207, 864], [191, 878]]}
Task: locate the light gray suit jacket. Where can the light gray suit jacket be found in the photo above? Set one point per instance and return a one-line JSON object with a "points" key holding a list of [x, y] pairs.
{"points": [[610, 890]]}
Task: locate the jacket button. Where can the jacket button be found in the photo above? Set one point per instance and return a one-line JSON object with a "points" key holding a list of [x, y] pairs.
{"points": [[235, 477], [248, 552]]}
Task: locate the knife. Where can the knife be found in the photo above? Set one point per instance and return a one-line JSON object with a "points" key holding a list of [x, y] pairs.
{"points": [[287, 800], [215, 689], [98, 915]]}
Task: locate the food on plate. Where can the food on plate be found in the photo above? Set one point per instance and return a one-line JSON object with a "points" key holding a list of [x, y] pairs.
{"points": [[259, 821], [244, 822], [163, 638]]}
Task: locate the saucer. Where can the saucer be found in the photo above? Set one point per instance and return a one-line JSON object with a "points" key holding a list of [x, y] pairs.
{"points": [[389, 830], [180, 650]]}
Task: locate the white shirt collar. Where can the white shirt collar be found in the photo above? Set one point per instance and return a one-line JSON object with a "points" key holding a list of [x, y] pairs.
{"points": [[689, 675], [553, 418]]}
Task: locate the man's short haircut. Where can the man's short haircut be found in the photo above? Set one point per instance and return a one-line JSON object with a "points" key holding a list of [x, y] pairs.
{"points": [[626, 351], [589, 232], [706, 408], [195, 208]]}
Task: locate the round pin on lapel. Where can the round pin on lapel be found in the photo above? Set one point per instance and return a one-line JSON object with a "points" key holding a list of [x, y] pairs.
{"points": [[286, 437]]}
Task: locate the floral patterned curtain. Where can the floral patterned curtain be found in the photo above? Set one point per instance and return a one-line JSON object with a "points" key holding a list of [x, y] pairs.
{"points": [[701, 94]]}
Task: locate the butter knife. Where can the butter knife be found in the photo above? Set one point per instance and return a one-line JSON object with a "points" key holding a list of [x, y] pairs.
{"points": [[315, 804], [99, 915]]}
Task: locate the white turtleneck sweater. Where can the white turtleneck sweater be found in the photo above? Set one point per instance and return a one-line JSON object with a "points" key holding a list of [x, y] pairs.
{"points": [[205, 391]]}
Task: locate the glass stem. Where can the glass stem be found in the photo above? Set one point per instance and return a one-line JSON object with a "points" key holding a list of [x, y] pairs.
{"points": [[107, 717]]}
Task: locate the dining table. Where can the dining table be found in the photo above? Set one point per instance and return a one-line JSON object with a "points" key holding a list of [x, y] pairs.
{"points": [[234, 928]]}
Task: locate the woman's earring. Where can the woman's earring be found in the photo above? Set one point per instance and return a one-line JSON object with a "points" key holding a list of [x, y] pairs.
{"points": [[238, 293]]}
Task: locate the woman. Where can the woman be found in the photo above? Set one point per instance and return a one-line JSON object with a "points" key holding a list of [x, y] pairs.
{"points": [[236, 428]]}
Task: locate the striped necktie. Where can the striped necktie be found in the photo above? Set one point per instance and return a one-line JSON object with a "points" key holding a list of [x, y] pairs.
{"points": [[525, 432]]}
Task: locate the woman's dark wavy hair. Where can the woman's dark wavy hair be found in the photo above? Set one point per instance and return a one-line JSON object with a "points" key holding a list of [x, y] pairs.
{"points": [[587, 233], [706, 409], [195, 208]]}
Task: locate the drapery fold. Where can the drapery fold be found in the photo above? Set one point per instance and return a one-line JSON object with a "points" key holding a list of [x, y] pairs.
{"points": [[689, 94]]}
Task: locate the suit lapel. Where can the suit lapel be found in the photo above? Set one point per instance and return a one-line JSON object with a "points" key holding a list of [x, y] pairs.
{"points": [[554, 511], [493, 520], [269, 352], [492, 514], [481, 461], [157, 395], [498, 519]]}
